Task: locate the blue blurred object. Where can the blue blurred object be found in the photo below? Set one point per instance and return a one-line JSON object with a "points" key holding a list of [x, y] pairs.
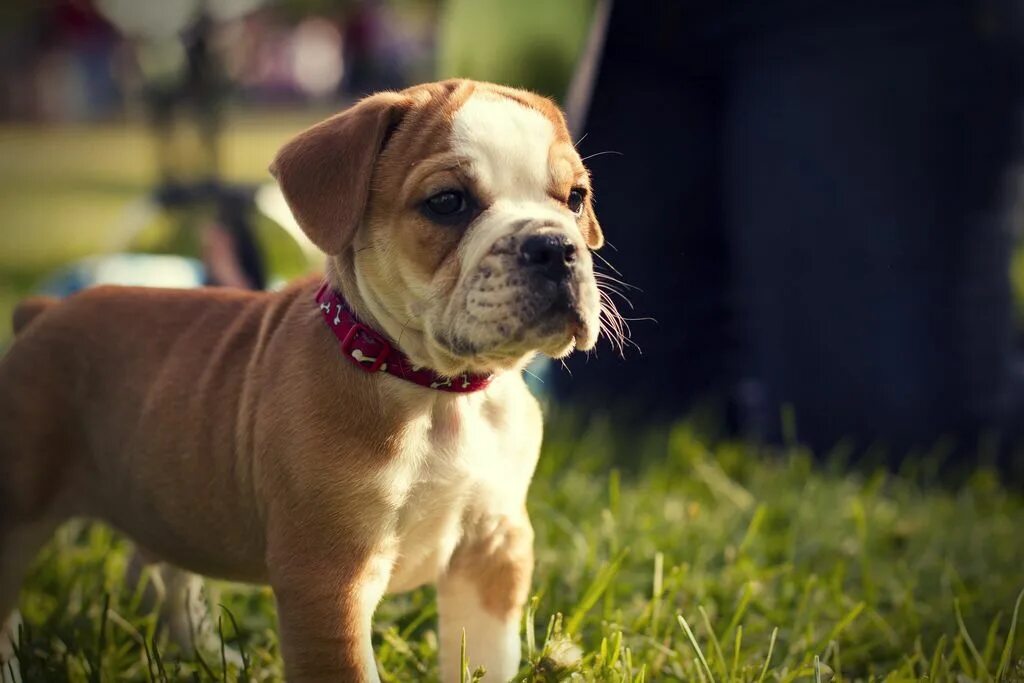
{"points": [[142, 270]]}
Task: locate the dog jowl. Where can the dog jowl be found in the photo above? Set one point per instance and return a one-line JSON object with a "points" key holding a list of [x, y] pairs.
{"points": [[350, 436]]}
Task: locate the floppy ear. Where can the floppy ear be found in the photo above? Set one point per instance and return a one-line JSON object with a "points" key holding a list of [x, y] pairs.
{"points": [[594, 235], [325, 172]]}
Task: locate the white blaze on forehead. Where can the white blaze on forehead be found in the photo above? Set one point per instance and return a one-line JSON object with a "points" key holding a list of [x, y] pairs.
{"points": [[507, 144]]}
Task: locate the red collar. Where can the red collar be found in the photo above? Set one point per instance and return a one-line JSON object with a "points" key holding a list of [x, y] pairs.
{"points": [[371, 352]]}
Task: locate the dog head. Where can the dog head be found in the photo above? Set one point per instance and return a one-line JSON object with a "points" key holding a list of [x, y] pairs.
{"points": [[461, 215]]}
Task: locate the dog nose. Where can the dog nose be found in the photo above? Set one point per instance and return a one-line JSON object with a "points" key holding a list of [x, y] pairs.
{"points": [[548, 255]]}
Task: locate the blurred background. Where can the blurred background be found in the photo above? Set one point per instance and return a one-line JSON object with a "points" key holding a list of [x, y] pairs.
{"points": [[129, 126], [813, 211]]}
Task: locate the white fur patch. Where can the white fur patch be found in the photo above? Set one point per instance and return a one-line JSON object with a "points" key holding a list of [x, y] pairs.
{"points": [[490, 642], [439, 467], [454, 460], [507, 145]]}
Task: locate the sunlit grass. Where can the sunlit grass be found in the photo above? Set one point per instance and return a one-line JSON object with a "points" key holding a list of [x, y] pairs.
{"points": [[659, 557]]}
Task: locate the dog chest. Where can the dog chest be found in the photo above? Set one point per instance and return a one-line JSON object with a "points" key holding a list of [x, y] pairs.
{"points": [[439, 478]]}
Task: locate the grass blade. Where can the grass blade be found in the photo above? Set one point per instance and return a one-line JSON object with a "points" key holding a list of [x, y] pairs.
{"points": [[736, 653], [101, 641], [463, 660], [756, 520], [530, 627], [594, 592], [968, 641], [847, 619], [715, 645], [741, 608], [938, 658], [991, 638], [238, 642], [1004, 659], [656, 592], [160, 668], [223, 649], [768, 659], [696, 647]]}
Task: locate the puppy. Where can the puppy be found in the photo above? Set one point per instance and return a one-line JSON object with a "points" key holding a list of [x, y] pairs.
{"points": [[342, 441]]}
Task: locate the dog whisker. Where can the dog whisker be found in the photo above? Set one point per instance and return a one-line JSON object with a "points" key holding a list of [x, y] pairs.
{"points": [[611, 323], [612, 289], [608, 278], [598, 154], [607, 263], [606, 290]]}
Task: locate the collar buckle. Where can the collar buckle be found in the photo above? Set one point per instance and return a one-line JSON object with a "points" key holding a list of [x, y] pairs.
{"points": [[359, 355]]}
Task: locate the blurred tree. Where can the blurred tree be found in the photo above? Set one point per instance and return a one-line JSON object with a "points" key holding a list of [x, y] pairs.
{"points": [[529, 44]]}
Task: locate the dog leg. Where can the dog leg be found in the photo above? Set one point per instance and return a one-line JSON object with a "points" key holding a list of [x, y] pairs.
{"points": [[10, 671], [185, 612], [482, 595], [183, 601], [325, 608], [18, 547]]}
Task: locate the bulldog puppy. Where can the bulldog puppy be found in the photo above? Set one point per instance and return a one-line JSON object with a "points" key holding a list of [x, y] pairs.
{"points": [[341, 440]]}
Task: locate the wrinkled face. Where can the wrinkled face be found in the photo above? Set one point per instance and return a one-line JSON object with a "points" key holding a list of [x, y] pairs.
{"points": [[474, 243]]}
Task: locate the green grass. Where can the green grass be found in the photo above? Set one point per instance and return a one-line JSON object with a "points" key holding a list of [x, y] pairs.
{"points": [[661, 558]]}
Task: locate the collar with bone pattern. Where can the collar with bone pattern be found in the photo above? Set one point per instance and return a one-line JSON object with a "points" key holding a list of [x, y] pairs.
{"points": [[372, 352]]}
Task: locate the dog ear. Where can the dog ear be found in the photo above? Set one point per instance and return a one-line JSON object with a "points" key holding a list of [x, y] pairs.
{"points": [[593, 233], [325, 171]]}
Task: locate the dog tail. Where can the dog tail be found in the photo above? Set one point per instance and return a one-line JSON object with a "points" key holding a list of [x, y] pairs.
{"points": [[29, 309]]}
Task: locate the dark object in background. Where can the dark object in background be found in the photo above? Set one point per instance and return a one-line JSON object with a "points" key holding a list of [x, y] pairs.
{"points": [[197, 93], [811, 197], [234, 206]]}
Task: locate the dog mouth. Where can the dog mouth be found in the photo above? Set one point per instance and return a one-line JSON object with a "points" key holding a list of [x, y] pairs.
{"points": [[550, 318], [564, 313], [569, 330]]}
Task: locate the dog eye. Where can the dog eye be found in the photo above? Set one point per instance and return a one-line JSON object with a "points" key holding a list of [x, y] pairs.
{"points": [[575, 200], [446, 204]]}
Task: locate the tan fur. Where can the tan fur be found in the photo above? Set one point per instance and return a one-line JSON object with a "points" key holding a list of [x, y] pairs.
{"points": [[224, 432]]}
